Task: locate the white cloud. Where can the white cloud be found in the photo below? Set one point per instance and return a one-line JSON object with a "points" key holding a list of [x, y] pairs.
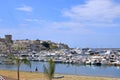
{"points": [[32, 20], [94, 11], [25, 8], [84, 17], [35, 20]]}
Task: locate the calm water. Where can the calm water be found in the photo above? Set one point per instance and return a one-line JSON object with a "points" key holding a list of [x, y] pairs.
{"points": [[107, 71]]}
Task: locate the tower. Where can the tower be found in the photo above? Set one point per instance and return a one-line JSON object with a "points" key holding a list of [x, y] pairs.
{"points": [[8, 38]]}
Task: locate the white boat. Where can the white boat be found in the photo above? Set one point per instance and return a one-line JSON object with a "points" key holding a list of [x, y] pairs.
{"points": [[88, 62]]}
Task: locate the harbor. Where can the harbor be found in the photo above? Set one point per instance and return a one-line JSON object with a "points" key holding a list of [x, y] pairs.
{"points": [[41, 50], [104, 63], [85, 56]]}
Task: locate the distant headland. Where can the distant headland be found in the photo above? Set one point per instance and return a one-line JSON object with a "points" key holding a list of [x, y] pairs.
{"points": [[7, 44]]}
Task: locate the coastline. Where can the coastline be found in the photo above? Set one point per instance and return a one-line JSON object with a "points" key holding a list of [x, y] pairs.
{"points": [[24, 75]]}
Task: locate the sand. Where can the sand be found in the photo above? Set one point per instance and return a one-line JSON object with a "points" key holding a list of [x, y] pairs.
{"points": [[40, 76]]}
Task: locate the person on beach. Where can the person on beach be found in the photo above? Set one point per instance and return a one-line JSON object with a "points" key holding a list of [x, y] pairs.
{"points": [[36, 69]]}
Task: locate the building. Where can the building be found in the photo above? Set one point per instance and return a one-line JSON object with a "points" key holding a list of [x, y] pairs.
{"points": [[7, 39]]}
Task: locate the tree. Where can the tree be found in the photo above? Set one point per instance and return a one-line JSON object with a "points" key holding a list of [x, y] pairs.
{"points": [[53, 46], [46, 45], [18, 61], [50, 69]]}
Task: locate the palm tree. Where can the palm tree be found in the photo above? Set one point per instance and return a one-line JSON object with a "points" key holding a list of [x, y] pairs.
{"points": [[18, 62], [50, 69]]}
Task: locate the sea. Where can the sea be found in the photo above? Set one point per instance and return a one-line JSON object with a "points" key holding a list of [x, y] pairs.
{"points": [[70, 69]]}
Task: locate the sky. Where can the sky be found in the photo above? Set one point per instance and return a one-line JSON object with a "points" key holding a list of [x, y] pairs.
{"points": [[78, 23]]}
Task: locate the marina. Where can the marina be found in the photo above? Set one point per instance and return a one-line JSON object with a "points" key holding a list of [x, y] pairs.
{"points": [[104, 62], [86, 56], [86, 62]]}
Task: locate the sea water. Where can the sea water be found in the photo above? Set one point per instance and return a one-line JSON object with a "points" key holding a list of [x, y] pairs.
{"points": [[74, 69]]}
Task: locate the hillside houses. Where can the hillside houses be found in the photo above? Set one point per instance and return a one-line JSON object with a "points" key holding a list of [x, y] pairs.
{"points": [[7, 44]]}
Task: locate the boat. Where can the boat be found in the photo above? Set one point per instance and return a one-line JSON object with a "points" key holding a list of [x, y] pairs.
{"points": [[88, 62], [97, 63], [58, 61], [57, 77], [9, 62], [0, 62]]}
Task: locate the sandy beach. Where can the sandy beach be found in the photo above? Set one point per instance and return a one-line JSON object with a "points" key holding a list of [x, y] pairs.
{"points": [[40, 76]]}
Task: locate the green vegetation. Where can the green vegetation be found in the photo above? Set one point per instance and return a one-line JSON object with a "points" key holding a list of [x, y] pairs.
{"points": [[53, 46], [50, 69], [46, 45], [18, 62]]}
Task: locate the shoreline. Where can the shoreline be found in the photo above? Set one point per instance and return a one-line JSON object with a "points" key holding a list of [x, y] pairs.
{"points": [[26, 75]]}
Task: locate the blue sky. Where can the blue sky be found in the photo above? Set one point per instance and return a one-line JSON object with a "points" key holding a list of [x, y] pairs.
{"points": [[78, 23]]}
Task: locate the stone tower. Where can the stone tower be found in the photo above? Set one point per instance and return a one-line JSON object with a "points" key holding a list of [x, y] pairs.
{"points": [[8, 38]]}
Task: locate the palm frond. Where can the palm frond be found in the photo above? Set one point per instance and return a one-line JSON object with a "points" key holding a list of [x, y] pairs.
{"points": [[26, 61], [10, 56], [50, 69]]}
